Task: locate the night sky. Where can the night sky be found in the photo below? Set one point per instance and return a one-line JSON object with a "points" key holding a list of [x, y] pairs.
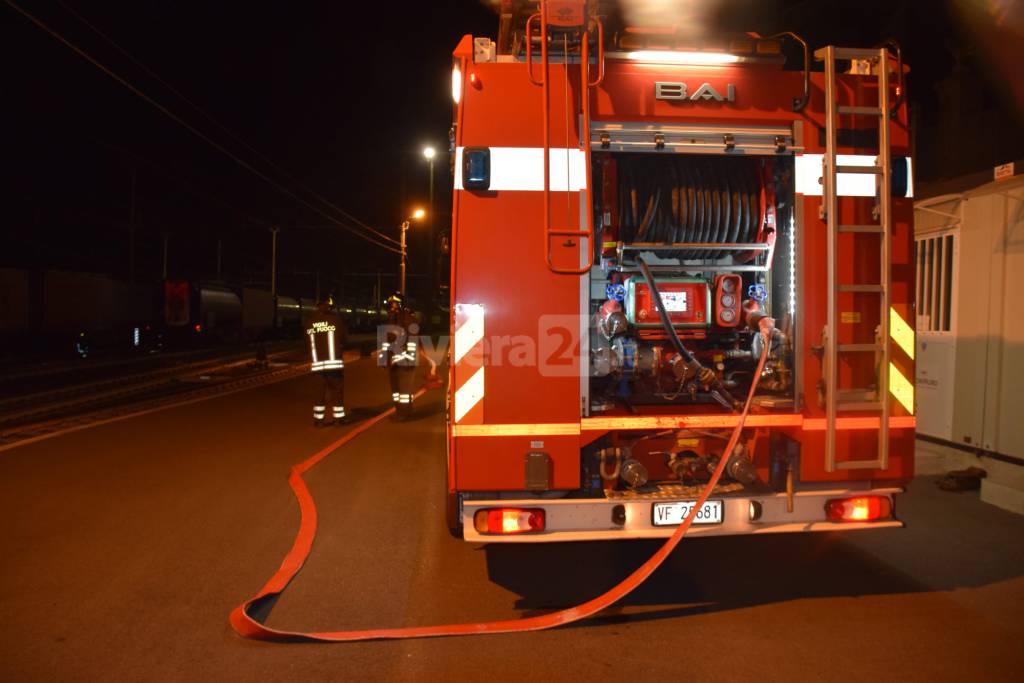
{"points": [[344, 101]]}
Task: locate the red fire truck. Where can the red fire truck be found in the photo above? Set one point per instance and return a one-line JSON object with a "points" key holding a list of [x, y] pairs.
{"points": [[631, 206]]}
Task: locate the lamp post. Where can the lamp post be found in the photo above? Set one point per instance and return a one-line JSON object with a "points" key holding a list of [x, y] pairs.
{"points": [[416, 215], [429, 153]]}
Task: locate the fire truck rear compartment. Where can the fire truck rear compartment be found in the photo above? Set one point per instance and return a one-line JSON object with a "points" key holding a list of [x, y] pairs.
{"points": [[717, 233]]}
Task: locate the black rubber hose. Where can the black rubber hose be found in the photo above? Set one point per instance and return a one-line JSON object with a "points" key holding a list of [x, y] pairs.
{"points": [[663, 314]]}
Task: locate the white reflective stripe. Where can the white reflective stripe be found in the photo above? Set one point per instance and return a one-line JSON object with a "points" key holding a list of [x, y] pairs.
{"points": [[385, 346], [411, 346], [471, 331], [405, 398], [330, 344], [522, 168], [809, 170], [469, 394], [312, 346], [403, 356], [395, 395], [339, 412]]}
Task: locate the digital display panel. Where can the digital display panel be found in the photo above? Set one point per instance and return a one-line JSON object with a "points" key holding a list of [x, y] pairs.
{"points": [[675, 302]]}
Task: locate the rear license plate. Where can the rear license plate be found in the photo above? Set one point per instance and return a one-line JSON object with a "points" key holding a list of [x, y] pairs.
{"points": [[673, 514]]}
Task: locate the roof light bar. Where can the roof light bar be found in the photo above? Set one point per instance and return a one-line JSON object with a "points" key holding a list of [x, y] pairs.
{"points": [[681, 57]]}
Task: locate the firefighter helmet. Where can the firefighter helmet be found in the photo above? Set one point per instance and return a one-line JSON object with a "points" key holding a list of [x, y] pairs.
{"points": [[326, 303], [395, 302]]}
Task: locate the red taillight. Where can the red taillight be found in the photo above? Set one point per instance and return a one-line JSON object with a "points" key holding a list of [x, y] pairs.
{"points": [[508, 520], [859, 509]]}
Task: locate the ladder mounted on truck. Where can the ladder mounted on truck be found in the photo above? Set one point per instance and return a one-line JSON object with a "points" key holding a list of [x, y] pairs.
{"points": [[839, 400], [566, 17]]}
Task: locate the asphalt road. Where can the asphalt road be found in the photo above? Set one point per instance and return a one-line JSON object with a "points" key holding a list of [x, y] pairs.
{"points": [[126, 545]]}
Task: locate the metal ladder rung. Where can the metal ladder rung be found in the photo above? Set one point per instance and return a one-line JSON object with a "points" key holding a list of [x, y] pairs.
{"points": [[863, 289], [854, 348], [851, 395], [872, 406], [860, 111], [859, 169], [851, 53], [859, 465], [861, 228]]}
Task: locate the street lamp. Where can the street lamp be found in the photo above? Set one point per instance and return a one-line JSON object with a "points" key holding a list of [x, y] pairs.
{"points": [[416, 215], [429, 153]]}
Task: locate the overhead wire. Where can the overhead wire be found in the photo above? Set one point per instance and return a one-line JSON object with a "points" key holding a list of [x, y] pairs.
{"points": [[192, 129], [227, 131], [188, 186]]}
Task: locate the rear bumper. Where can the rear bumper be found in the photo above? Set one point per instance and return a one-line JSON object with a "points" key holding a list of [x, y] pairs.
{"points": [[575, 519]]}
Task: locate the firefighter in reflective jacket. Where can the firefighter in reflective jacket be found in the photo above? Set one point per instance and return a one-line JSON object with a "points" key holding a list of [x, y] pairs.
{"points": [[326, 332], [400, 352]]}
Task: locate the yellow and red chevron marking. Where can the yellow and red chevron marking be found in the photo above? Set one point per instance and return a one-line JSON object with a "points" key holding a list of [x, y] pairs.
{"points": [[468, 364]]}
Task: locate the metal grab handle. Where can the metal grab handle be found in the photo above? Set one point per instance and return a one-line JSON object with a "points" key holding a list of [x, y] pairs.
{"points": [[901, 92], [799, 104], [529, 48], [600, 53], [584, 138]]}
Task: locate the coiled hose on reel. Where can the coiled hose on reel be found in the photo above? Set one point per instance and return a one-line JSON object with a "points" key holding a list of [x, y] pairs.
{"points": [[709, 200]]}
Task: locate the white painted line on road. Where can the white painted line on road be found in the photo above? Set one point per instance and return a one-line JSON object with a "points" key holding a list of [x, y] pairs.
{"points": [[156, 409]]}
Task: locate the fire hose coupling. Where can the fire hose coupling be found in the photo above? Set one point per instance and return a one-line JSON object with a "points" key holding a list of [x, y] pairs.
{"points": [[694, 369], [740, 466]]}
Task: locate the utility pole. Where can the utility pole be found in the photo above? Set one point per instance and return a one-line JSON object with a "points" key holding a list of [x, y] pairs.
{"points": [[401, 270], [131, 233]]}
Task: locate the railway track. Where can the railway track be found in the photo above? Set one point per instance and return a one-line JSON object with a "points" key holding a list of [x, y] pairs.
{"points": [[83, 406], [17, 409], [187, 393]]}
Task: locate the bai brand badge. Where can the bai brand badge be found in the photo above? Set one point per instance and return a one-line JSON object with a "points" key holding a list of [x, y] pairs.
{"points": [[671, 90]]}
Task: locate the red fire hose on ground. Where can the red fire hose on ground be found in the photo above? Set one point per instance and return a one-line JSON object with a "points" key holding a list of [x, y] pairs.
{"points": [[248, 627]]}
